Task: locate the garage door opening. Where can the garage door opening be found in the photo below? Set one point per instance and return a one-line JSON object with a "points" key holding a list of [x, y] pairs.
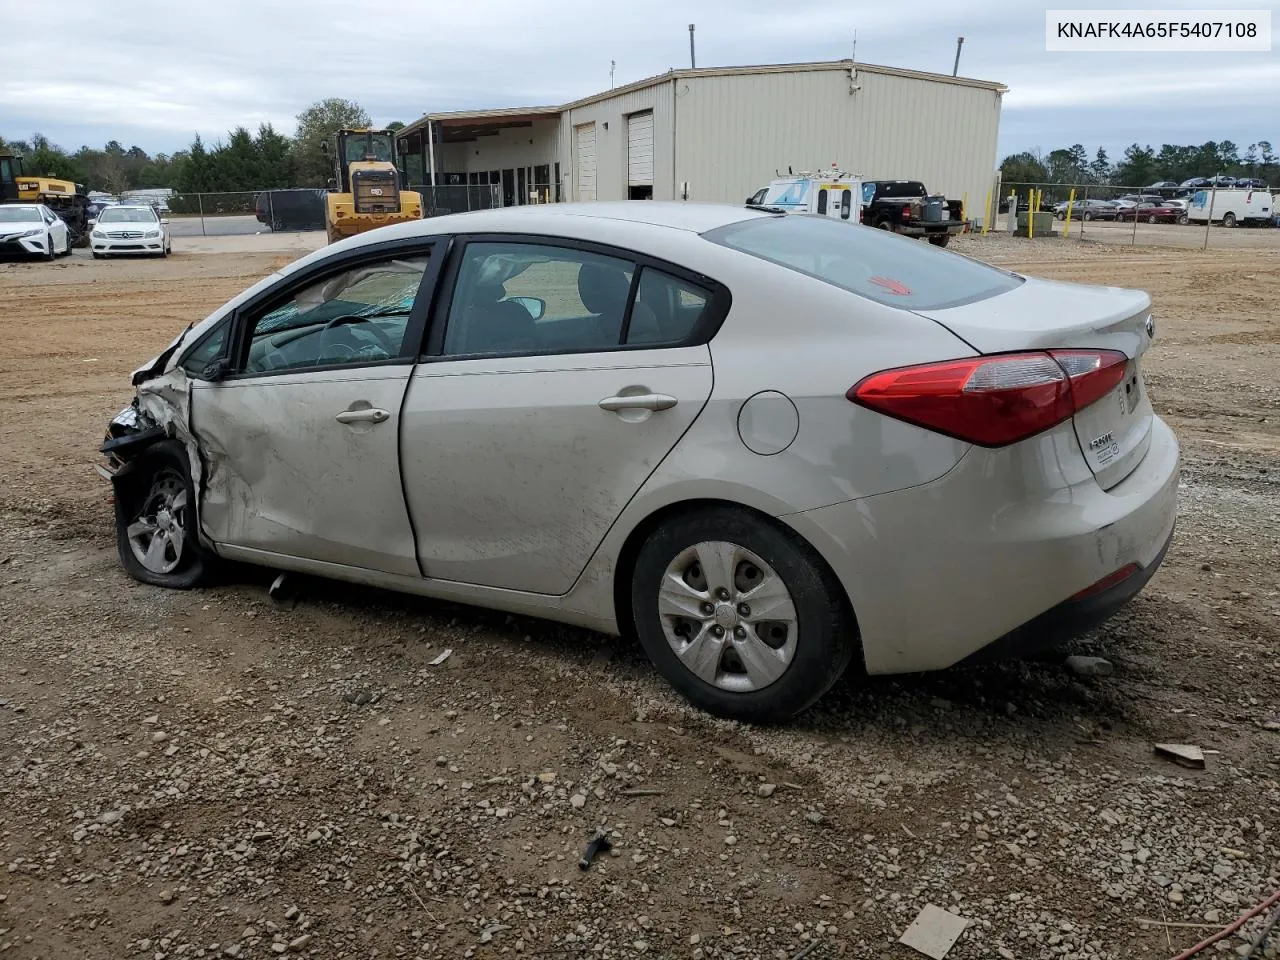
{"points": [[586, 144], [640, 156]]}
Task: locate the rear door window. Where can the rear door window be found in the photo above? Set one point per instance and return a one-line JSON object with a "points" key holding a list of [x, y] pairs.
{"points": [[895, 271]]}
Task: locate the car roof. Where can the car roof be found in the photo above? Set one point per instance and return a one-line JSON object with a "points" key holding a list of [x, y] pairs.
{"points": [[557, 218], [134, 206], [28, 207]]}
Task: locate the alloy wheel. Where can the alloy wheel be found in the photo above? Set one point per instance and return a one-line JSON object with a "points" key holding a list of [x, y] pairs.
{"points": [[158, 535]]}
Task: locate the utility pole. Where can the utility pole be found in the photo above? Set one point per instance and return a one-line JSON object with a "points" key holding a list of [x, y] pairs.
{"points": [[853, 57], [955, 69], [613, 65], [693, 60]]}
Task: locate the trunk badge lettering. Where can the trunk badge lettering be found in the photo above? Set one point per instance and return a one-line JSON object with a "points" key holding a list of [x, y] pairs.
{"points": [[1101, 441]]}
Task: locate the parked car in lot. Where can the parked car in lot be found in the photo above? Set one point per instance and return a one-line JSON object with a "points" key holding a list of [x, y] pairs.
{"points": [[1251, 183], [1086, 210], [1152, 211], [32, 229], [129, 230], [907, 207], [582, 412]]}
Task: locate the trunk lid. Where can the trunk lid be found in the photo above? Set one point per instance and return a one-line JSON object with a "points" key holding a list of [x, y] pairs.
{"points": [[1115, 431]]}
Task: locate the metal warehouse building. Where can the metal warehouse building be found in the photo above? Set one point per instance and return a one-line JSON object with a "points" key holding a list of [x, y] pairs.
{"points": [[720, 133]]}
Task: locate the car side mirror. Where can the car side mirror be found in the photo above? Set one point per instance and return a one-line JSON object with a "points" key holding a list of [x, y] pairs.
{"points": [[536, 306], [216, 370]]}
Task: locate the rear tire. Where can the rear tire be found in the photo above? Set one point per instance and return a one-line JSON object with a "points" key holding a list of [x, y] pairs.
{"points": [[766, 665], [1228, 219], [885, 225], [157, 535], [940, 241], [1152, 220], [1087, 215], [1183, 220]]}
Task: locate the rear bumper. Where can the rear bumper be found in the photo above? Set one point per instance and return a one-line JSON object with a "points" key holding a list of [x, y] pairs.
{"points": [[940, 571], [1071, 618], [918, 228]]}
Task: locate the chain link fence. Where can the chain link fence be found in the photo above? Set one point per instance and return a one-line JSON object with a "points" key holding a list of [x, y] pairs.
{"points": [[237, 213], [1117, 213]]}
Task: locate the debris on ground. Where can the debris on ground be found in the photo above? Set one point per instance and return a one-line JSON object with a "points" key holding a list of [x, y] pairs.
{"points": [[1186, 754], [934, 931], [441, 658], [599, 844], [1090, 666]]}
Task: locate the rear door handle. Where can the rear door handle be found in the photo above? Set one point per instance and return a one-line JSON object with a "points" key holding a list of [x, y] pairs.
{"points": [[641, 401], [367, 415]]}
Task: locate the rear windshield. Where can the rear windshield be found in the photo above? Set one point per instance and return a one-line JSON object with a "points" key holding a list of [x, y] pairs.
{"points": [[892, 270]]}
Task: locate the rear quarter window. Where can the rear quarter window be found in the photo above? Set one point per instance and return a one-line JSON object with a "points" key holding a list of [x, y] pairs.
{"points": [[892, 270]]}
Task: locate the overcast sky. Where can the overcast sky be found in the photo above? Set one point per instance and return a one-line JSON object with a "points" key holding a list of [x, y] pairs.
{"points": [[154, 72]]}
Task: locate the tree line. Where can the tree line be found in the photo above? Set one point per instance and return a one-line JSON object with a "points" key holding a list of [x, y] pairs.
{"points": [[244, 161], [1142, 165]]}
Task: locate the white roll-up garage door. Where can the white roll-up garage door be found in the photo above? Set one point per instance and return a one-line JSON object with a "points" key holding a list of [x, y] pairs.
{"points": [[640, 149], [586, 142]]}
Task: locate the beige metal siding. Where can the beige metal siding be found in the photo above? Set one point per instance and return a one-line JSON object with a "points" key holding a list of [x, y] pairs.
{"points": [[611, 143], [734, 131]]}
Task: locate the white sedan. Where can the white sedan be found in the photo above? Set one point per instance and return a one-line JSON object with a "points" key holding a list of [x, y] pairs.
{"points": [[33, 229], [125, 229], [767, 445]]}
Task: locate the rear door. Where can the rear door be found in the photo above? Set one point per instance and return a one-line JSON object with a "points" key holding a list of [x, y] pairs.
{"points": [[558, 376]]}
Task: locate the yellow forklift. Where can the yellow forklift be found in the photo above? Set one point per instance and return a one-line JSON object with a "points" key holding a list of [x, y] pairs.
{"points": [[68, 200], [367, 191]]}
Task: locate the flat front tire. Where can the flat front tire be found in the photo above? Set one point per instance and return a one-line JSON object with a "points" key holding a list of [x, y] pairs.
{"points": [[740, 616], [156, 530]]}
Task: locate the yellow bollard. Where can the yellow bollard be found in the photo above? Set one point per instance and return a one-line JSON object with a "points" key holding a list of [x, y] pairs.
{"points": [[964, 206], [1031, 214], [1071, 202], [986, 214]]}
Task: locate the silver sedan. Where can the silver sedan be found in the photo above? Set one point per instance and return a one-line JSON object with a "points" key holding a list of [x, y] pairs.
{"points": [[767, 445]]}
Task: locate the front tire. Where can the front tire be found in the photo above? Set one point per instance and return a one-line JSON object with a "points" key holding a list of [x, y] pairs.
{"points": [[50, 254], [157, 535], [1088, 215], [1183, 220], [740, 616]]}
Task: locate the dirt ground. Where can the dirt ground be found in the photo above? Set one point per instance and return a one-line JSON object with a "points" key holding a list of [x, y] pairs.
{"points": [[205, 774]]}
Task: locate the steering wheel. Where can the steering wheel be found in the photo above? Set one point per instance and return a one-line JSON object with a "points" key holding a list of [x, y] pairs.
{"points": [[383, 340]]}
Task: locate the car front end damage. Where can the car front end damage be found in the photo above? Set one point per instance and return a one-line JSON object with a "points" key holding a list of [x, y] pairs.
{"points": [[159, 412]]}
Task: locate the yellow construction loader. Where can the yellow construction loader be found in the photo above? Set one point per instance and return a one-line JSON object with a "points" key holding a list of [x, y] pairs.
{"points": [[366, 192], [68, 200]]}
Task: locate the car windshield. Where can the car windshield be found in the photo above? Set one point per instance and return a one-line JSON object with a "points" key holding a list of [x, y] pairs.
{"points": [[18, 214], [127, 215], [891, 270]]}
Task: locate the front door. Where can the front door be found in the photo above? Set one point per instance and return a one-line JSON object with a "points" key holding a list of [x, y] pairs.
{"points": [[300, 439], [558, 384]]}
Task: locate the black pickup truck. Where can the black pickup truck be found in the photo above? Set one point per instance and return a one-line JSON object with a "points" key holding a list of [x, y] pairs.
{"points": [[906, 207]]}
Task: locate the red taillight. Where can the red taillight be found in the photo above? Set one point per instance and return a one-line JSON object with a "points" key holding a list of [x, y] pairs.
{"points": [[995, 400], [906, 211], [1109, 581]]}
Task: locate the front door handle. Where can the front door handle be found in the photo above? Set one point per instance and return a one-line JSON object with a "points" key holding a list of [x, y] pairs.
{"points": [[367, 415], [641, 401]]}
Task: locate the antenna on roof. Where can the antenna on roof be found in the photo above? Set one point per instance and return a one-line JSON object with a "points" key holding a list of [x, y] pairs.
{"points": [[853, 56], [693, 60], [613, 65]]}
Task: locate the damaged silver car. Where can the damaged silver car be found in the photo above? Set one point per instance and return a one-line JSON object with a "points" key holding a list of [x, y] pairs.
{"points": [[767, 445]]}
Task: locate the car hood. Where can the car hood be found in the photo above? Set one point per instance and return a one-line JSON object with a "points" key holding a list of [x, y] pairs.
{"points": [[9, 229]]}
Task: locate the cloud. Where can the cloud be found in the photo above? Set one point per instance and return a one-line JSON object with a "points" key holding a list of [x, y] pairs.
{"points": [[155, 72]]}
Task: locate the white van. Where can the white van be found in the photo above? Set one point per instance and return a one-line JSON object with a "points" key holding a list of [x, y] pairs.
{"points": [[831, 194], [1230, 207]]}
